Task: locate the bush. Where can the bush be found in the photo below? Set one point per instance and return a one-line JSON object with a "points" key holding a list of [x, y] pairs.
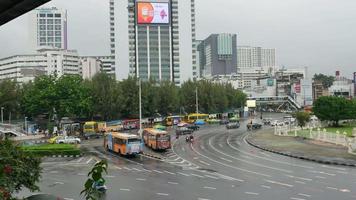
{"points": [[53, 149]]}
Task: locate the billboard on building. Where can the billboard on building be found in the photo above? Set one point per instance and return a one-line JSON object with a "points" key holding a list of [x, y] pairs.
{"points": [[251, 103], [152, 13]]}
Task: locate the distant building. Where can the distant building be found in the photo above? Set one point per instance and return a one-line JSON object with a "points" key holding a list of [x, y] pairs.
{"points": [[106, 64], [255, 57], [342, 87], [319, 90], [218, 55], [90, 67], [49, 28], [24, 68], [109, 63], [354, 84]]}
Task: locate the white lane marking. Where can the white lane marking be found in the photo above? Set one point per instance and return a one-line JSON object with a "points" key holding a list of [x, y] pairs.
{"points": [[125, 189], [304, 195], [279, 183], [81, 174], [241, 169], [300, 182], [335, 168], [246, 161], [89, 160], [119, 168], [109, 176], [197, 175], [140, 179], [202, 199], [173, 183], [213, 177], [80, 160], [271, 160], [162, 194], [128, 169], [221, 145], [226, 159], [341, 172], [321, 177], [263, 153], [68, 199], [344, 190], [157, 171], [332, 188], [205, 163], [53, 172], [294, 198], [252, 193], [321, 172], [209, 188], [137, 169], [300, 178], [169, 172], [183, 149], [228, 177], [146, 170], [59, 183], [266, 186], [183, 174], [202, 147]]}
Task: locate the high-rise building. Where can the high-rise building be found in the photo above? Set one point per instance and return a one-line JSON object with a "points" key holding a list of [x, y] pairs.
{"points": [[255, 57], [112, 59], [158, 44], [24, 68], [106, 64], [218, 55], [90, 67], [49, 28]]}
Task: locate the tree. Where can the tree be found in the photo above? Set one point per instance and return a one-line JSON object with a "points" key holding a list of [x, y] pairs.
{"points": [[327, 81], [18, 170], [330, 108], [9, 98], [95, 176], [302, 118]]}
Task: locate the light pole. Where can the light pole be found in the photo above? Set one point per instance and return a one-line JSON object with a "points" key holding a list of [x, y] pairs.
{"points": [[2, 115], [26, 125], [196, 100], [140, 106]]}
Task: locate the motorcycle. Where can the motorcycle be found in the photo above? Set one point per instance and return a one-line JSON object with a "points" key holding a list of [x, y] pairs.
{"points": [[189, 139], [100, 186]]}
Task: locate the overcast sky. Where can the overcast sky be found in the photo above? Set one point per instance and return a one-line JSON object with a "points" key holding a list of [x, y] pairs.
{"points": [[320, 34]]}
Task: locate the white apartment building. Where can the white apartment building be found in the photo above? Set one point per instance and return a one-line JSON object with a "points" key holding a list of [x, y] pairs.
{"points": [[90, 67], [49, 28], [159, 42], [24, 68], [106, 64], [255, 57]]}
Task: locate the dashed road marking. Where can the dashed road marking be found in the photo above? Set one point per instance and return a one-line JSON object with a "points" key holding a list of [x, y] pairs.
{"points": [[162, 194], [205, 163], [304, 195], [125, 189], [202, 199], [197, 175], [169, 172], [265, 186], [119, 168], [173, 183], [294, 198], [209, 188], [89, 160], [252, 193], [140, 179], [213, 177], [183, 174], [321, 177], [279, 183], [157, 171], [128, 169], [109, 176], [226, 159], [300, 182], [137, 169], [332, 188]]}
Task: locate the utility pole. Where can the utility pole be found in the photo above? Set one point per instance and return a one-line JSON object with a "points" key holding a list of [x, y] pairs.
{"points": [[2, 115], [140, 106], [196, 100], [10, 117]]}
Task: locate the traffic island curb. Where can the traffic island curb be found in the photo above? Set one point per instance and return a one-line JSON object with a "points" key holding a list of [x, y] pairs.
{"points": [[298, 156], [64, 156]]}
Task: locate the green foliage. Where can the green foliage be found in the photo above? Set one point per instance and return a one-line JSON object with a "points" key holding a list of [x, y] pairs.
{"points": [[95, 175], [302, 118], [333, 109], [18, 170], [327, 81], [52, 149], [9, 98]]}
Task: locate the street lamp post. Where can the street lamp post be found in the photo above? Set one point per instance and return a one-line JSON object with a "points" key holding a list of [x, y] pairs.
{"points": [[196, 100], [140, 105], [26, 125], [2, 115]]}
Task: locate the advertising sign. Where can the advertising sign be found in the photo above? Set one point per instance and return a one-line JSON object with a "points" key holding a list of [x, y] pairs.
{"points": [[251, 103], [297, 88], [153, 13], [270, 82]]}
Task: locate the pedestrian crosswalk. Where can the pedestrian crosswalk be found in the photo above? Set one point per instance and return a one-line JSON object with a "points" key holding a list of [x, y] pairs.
{"points": [[172, 158]]}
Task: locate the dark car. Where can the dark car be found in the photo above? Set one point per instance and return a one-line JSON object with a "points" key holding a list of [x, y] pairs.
{"points": [[183, 131], [254, 126], [233, 125], [193, 127], [89, 136], [224, 121]]}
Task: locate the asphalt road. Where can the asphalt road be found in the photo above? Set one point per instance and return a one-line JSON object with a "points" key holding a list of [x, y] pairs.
{"points": [[220, 165]]}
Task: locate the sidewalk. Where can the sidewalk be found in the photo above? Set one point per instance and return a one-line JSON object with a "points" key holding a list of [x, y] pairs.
{"points": [[302, 148]]}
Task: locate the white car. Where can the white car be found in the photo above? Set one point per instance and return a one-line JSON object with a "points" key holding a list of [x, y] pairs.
{"points": [[274, 123], [68, 140]]}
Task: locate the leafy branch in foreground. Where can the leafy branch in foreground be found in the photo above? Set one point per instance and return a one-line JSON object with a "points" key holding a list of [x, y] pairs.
{"points": [[90, 192]]}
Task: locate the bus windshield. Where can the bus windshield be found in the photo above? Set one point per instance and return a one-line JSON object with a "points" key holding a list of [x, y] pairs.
{"points": [[136, 140], [162, 137]]}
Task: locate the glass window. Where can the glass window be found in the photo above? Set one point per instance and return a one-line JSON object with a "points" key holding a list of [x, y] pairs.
{"points": [[57, 27], [50, 33], [57, 15], [42, 27], [58, 33], [49, 15], [42, 15], [49, 21], [42, 33], [42, 21], [42, 39], [58, 39], [49, 27], [58, 45], [50, 39], [58, 21]]}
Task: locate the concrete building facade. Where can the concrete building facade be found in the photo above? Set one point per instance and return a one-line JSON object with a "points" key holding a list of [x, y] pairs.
{"points": [[49, 28], [255, 57], [90, 67], [218, 55]]}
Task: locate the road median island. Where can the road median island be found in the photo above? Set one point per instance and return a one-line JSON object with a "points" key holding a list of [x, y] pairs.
{"points": [[53, 150], [298, 147]]}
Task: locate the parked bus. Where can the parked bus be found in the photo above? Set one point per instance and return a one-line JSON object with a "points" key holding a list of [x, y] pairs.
{"points": [[123, 143], [115, 126], [130, 124], [173, 120], [156, 139], [191, 118], [93, 129]]}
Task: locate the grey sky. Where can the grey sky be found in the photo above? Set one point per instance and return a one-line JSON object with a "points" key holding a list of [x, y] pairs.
{"points": [[320, 34]]}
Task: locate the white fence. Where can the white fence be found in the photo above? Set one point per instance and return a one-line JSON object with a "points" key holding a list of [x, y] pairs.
{"points": [[319, 135]]}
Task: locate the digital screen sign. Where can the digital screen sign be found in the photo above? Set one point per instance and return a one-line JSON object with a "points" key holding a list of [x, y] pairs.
{"points": [[152, 13]]}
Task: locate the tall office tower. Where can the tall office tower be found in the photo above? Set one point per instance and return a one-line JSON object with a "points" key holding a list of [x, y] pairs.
{"points": [[112, 38], [157, 43], [49, 28], [218, 55], [255, 57]]}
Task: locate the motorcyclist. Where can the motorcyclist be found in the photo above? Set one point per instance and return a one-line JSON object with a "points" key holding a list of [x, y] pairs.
{"points": [[191, 138]]}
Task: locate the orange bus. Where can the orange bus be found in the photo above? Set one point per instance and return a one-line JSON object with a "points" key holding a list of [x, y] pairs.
{"points": [[123, 143], [156, 139]]}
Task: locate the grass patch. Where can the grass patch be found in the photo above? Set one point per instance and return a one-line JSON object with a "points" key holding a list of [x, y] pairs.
{"points": [[53, 149]]}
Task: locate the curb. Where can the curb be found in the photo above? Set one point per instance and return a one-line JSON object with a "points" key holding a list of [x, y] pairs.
{"points": [[152, 156], [64, 156], [299, 157]]}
